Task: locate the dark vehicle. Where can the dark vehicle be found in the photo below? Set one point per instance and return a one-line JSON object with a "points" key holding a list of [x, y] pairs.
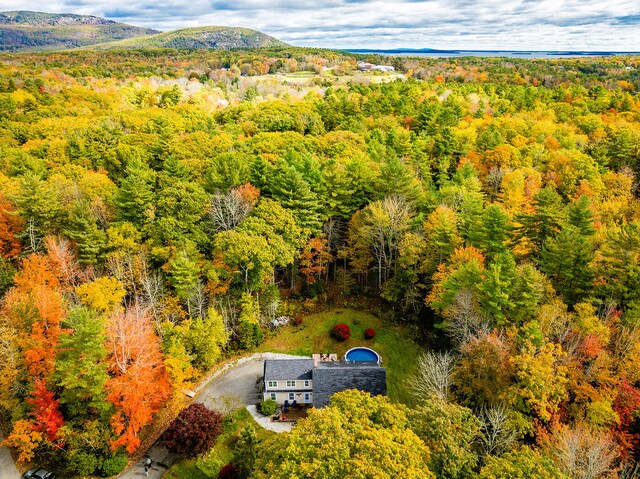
{"points": [[38, 474]]}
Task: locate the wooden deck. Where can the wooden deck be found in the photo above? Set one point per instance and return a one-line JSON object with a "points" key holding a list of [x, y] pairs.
{"points": [[292, 415]]}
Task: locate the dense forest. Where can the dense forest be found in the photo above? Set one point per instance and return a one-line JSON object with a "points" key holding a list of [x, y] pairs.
{"points": [[158, 209]]}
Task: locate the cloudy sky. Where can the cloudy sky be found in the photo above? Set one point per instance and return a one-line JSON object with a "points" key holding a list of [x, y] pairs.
{"points": [[447, 24]]}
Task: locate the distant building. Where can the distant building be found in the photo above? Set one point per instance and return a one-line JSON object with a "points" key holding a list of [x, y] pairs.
{"points": [[312, 381], [384, 68], [363, 66]]}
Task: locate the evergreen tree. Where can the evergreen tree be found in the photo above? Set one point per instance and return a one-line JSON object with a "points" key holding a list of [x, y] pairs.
{"points": [[492, 232], [397, 179], [135, 197], [249, 332], [580, 215], [245, 452], [441, 237], [91, 241], [39, 205], [81, 366], [546, 219], [527, 292], [566, 259], [619, 265], [496, 288], [294, 193], [184, 275]]}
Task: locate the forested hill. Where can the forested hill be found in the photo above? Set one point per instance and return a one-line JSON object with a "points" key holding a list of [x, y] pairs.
{"points": [[24, 30], [36, 31], [216, 38]]}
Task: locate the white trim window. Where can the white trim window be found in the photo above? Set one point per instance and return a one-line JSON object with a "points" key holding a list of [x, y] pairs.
{"points": [[291, 384], [307, 383], [272, 384], [292, 396], [273, 397]]}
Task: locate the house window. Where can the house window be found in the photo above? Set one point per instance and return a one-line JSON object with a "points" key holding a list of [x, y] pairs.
{"points": [[272, 384], [292, 396], [274, 397], [307, 384], [291, 384]]}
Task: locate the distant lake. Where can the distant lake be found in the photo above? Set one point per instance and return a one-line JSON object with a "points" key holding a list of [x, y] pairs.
{"points": [[488, 53]]}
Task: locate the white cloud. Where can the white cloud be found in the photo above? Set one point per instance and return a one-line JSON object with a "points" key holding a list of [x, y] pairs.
{"points": [[447, 24]]}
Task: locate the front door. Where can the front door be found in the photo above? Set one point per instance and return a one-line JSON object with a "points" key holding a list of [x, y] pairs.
{"points": [[307, 398]]}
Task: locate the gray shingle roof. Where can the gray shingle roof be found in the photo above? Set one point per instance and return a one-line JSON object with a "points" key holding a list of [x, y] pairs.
{"points": [[283, 369], [330, 378]]}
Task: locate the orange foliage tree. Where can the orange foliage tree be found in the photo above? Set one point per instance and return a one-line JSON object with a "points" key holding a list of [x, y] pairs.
{"points": [[314, 259], [139, 385], [35, 308], [25, 439]]}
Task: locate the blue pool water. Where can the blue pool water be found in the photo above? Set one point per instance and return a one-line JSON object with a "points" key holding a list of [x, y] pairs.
{"points": [[361, 355]]}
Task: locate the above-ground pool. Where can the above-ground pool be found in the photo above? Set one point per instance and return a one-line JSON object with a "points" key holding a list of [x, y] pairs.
{"points": [[359, 355]]}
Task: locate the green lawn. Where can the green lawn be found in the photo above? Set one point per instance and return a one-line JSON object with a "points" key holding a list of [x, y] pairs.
{"points": [[398, 352], [186, 468]]}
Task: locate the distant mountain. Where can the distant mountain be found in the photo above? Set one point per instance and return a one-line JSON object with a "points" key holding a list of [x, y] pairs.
{"points": [[217, 38], [23, 30]]}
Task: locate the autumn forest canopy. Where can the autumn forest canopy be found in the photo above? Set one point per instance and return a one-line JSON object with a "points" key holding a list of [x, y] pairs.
{"points": [[158, 209]]}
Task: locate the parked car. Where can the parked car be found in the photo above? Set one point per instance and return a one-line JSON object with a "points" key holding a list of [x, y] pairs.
{"points": [[38, 474]]}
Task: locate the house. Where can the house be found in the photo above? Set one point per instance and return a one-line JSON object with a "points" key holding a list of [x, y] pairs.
{"points": [[314, 380]]}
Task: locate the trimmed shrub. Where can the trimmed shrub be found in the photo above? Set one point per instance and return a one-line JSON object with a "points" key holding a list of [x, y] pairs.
{"points": [[114, 465], [369, 333], [268, 407], [228, 472], [341, 332], [194, 431]]}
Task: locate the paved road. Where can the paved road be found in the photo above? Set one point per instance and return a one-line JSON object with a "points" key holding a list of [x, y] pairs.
{"points": [[234, 386], [8, 469]]}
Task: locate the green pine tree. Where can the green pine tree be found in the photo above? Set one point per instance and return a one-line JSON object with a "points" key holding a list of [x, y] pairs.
{"points": [[135, 197], [546, 220], [566, 260], [492, 232], [294, 193], [81, 366]]}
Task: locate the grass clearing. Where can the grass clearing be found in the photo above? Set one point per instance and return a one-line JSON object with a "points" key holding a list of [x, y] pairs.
{"points": [[398, 352]]}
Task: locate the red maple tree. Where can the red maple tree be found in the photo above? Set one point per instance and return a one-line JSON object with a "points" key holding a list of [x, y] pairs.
{"points": [[46, 411]]}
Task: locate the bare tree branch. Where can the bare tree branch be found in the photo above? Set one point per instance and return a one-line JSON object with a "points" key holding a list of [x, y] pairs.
{"points": [[498, 434], [433, 378]]}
